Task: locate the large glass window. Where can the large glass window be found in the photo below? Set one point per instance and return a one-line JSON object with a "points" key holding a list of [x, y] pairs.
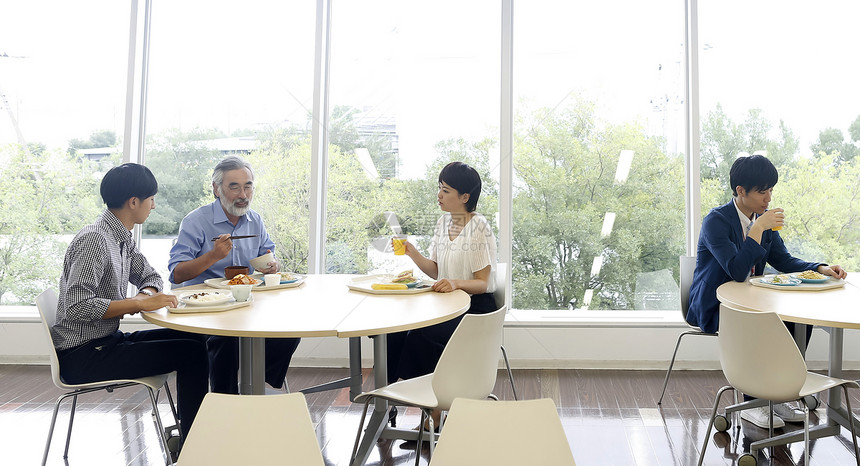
{"points": [[412, 88], [598, 154], [780, 82], [228, 79], [62, 100]]}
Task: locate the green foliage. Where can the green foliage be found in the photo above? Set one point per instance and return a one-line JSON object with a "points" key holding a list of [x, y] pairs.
{"points": [[182, 164], [565, 166], [832, 142], [43, 200], [822, 206], [723, 140], [103, 138]]}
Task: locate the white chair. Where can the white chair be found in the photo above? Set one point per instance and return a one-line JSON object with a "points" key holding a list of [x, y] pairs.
{"points": [[252, 429], [685, 279], [47, 305], [466, 369], [500, 297], [503, 433], [759, 357]]}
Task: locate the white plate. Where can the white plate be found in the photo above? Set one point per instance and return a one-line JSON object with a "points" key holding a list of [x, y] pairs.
{"points": [[224, 284], [205, 298], [784, 281]]}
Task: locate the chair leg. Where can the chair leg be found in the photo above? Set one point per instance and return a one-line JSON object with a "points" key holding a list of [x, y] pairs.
{"points": [[805, 432], [71, 421], [510, 373], [420, 441], [432, 434], [711, 422], [851, 424], [51, 429], [360, 426], [159, 427], [173, 409], [671, 363]]}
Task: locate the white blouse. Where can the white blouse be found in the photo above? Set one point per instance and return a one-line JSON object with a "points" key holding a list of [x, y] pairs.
{"points": [[472, 250]]}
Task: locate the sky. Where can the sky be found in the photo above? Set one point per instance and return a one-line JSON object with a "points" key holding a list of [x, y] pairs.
{"points": [[434, 66]]}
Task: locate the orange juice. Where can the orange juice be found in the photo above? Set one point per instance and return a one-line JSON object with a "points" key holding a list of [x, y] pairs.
{"points": [[776, 228], [397, 243]]}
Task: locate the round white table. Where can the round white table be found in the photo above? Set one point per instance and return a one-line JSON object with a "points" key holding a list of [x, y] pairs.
{"points": [[322, 306], [834, 309]]}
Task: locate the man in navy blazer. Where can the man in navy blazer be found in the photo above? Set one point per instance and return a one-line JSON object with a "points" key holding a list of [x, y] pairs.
{"points": [[737, 240]]}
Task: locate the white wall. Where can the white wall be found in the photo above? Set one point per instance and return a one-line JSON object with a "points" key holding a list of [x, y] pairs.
{"points": [[592, 345]]}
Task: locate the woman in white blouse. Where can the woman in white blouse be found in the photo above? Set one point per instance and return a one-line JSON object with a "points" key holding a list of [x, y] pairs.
{"points": [[462, 256]]}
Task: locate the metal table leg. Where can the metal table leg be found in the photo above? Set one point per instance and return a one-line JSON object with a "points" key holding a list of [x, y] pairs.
{"points": [[252, 366], [379, 417]]}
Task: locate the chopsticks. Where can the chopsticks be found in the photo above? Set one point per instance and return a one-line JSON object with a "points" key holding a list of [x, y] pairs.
{"points": [[238, 237]]}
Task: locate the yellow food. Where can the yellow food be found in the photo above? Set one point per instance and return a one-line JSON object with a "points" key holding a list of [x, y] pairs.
{"points": [[811, 275], [389, 286]]}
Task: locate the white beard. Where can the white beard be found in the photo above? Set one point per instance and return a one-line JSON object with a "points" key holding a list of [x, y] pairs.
{"points": [[233, 210]]}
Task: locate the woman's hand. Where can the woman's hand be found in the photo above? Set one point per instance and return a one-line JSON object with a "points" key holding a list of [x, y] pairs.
{"points": [[445, 285], [832, 270]]}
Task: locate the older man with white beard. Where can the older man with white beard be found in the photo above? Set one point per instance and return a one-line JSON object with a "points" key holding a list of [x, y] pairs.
{"points": [[196, 257]]}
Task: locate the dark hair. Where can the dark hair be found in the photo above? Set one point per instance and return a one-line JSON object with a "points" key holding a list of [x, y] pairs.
{"points": [[464, 179], [125, 182], [752, 172]]}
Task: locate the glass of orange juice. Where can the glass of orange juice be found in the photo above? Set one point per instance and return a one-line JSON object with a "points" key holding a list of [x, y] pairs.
{"points": [[777, 228], [398, 243]]}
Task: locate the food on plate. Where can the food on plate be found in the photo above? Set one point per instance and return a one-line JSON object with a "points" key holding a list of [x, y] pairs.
{"points": [[811, 275], [242, 279], [286, 276], [203, 297], [404, 277], [783, 278], [389, 286]]}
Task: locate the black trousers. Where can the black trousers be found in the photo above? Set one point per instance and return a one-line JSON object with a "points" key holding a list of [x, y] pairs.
{"points": [[414, 353], [224, 362], [142, 354]]}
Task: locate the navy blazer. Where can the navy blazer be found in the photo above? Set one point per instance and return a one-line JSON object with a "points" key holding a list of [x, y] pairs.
{"points": [[724, 255]]}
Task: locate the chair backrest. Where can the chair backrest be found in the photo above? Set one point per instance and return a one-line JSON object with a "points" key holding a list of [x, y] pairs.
{"points": [[502, 433], [46, 302], [501, 284], [685, 281], [759, 356], [468, 365], [252, 429]]}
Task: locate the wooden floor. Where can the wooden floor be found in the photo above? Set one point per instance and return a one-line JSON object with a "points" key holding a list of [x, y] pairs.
{"points": [[610, 417]]}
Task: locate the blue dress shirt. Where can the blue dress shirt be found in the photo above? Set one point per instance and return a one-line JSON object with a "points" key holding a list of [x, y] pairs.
{"points": [[195, 239]]}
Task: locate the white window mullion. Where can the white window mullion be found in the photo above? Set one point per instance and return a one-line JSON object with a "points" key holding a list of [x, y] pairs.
{"points": [[506, 142], [319, 140], [692, 169]]}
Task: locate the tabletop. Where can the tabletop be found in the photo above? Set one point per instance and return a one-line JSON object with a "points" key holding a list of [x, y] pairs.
{"points": [[321, 306], [838, 307]]}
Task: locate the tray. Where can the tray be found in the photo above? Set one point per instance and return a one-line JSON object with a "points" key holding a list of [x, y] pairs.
{"points": [[291, 284], [232, 304], [828, 285], [363, 284]]}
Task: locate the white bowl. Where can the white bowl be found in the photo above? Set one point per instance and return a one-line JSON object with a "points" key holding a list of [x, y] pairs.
{"points": [[262, 262]]}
